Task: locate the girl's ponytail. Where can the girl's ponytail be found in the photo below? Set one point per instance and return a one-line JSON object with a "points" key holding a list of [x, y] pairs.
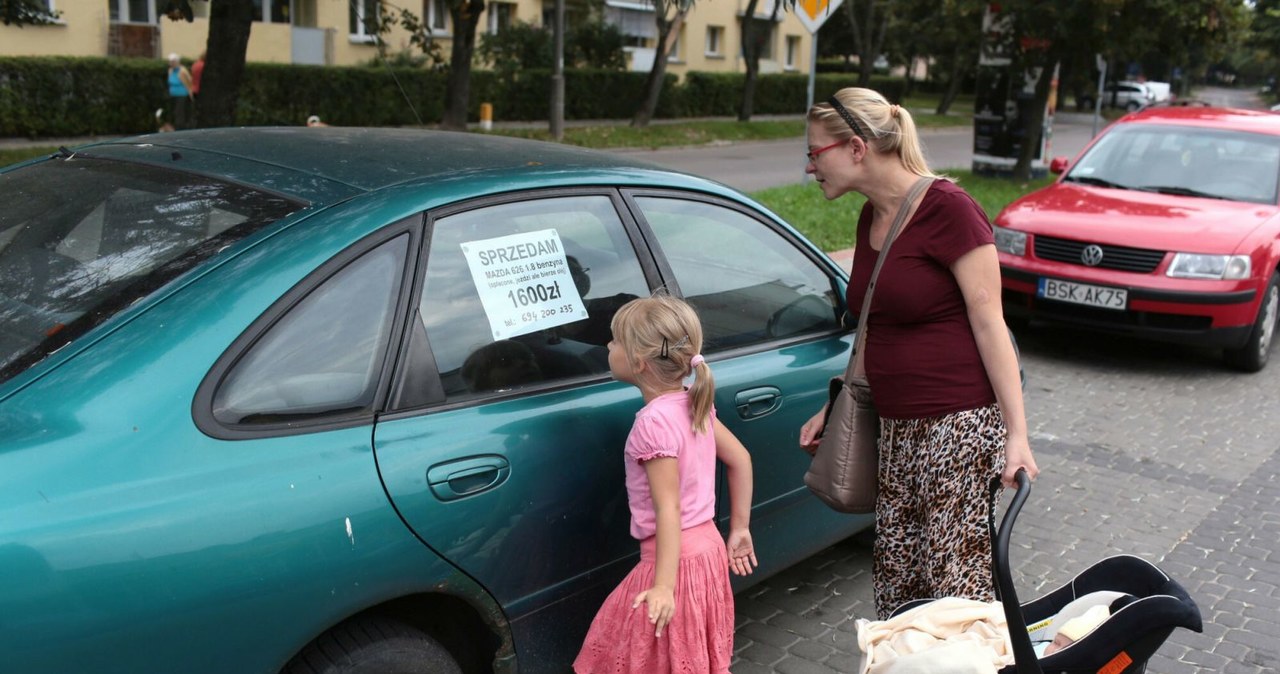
{"points": [[701, 394]]}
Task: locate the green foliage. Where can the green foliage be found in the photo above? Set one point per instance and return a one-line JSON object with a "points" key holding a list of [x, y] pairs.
{"points": [[595, 44], [26, 13], [94, 96], [63, 96], [832, 224], [520, 45]]}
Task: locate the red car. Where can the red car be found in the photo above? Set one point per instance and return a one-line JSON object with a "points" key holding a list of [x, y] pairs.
{"points": [[1166, 227]]}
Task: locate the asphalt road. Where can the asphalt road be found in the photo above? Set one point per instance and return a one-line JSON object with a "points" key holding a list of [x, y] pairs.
{"points": [[759, 165]]}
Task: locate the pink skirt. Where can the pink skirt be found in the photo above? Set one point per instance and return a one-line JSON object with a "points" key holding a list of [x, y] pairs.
{"points": [[699, 638]]}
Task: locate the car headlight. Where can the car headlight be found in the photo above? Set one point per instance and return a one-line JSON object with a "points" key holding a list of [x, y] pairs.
{"points": [[1010, 241], [1195, 265]]}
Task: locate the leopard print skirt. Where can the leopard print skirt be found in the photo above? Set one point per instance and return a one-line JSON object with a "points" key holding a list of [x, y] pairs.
{"points": [[932, 513]]}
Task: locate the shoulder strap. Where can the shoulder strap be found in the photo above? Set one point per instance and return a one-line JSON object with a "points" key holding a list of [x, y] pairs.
{"points": [[855, 363]]}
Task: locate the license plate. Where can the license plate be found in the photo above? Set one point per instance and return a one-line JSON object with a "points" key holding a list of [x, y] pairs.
{"points": [[1083, 293]]}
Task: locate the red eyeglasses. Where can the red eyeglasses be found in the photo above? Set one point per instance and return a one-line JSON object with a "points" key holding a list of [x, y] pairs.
{"points": [[813, 154]]}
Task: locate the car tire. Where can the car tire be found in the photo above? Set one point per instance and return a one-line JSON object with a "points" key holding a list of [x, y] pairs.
{"points": [[1252, 357], [1132, 106], [373, 645]]}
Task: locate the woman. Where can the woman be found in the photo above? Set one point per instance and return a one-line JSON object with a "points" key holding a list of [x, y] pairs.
{"points": [[942, 369], [181, 94]]}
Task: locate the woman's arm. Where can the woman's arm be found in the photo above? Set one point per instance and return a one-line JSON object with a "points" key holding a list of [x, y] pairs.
{"points": [[978, 273], [737, 463], [664, 487], [184, 76]]}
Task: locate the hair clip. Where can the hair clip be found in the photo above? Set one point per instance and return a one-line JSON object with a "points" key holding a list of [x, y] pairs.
{"points": [[848, 118]]}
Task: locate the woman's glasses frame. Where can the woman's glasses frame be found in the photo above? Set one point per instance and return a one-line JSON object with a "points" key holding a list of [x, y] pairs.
{"points": [[813, 154]]}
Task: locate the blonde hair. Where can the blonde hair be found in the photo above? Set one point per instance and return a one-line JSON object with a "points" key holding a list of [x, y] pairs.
{"points": [[664, 331], [890, 127]]}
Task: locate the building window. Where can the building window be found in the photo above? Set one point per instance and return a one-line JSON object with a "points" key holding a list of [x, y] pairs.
{"points": [[276, 10], [675, 46], [635, 20], [362, 17], [793, 51], [129, 11], [715, 40], [437, 12], [500, 16]]}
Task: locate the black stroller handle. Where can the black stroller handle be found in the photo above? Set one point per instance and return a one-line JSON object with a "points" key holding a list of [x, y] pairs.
{"points": [[1024, 656]]}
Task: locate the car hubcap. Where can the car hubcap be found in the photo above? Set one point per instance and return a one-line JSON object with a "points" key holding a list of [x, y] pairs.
{"points": [[1269, 310]]}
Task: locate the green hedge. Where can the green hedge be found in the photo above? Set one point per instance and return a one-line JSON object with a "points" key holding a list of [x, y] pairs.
{"points": [[59, 96]]}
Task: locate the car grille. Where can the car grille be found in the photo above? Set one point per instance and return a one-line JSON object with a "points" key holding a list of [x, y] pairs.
{"points": [[1113, 257]]}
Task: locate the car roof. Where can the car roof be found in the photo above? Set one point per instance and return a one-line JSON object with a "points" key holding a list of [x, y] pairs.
{"points": [[1237, 119], [328, 164]]}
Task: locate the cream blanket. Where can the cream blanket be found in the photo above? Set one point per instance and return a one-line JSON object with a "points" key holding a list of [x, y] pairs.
{"points": [[947, 636]]}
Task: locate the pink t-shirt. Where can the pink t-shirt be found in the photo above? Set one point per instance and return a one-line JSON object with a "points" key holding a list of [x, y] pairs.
{"points": [[664, 428]]}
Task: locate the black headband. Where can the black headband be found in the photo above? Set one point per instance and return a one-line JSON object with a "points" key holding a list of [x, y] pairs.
{"points": [[848, 118]]}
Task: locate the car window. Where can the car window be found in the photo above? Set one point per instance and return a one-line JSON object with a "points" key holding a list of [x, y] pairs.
{"points": [[517, 295], [323, 357], [82, 238], [748, 282], [1219, 163]]}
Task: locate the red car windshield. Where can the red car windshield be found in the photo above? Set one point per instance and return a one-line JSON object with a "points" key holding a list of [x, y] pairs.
{"points": [[83, 238], [1184, 160]]}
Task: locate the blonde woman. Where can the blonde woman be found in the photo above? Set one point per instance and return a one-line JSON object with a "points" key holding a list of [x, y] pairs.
{"points": [[942, 368]]}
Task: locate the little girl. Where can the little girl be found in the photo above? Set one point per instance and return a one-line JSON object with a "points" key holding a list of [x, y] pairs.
{"points": [[674, 611]]}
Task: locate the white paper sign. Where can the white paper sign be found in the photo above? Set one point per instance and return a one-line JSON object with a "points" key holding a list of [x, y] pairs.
{"points": [[524, 282]]}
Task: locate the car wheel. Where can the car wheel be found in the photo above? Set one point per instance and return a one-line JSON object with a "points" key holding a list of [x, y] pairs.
{"points": [[1132, 106], [371, 645], [1252, 357]]}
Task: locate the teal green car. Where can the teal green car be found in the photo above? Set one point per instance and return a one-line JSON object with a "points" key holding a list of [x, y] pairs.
{"points": [[338, 400]]}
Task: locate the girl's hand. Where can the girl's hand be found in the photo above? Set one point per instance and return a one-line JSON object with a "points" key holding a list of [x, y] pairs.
{"points": [[662, 606], [742, 553], [811, 431]]}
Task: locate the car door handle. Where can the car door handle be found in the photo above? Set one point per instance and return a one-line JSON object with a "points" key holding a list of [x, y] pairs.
{"points": [[757, 402], [466, 477]]}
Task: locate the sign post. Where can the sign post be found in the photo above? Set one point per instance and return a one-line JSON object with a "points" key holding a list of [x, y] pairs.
{"points": [[814, 13]]}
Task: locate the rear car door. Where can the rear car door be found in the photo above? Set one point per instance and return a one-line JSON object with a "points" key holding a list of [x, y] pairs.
{"points": [[503, 446]]}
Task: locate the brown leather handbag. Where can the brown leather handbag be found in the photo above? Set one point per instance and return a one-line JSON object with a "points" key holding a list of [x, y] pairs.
{"points": [[844, 470]]}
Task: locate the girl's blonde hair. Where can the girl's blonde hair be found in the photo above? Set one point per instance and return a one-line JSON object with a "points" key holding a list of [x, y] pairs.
{"points": [[886, 127], [664, 331]]}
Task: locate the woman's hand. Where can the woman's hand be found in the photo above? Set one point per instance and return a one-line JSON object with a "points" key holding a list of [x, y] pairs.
{"points": [[662, 606], [811, 431], [742, 552], [1017, 454]]}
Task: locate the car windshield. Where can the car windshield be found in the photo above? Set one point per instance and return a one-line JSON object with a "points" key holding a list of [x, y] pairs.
{"points": [[83, 238], [1183, 160]]}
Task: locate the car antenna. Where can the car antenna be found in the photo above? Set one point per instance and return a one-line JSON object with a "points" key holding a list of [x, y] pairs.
{"points": [[380, 44]]}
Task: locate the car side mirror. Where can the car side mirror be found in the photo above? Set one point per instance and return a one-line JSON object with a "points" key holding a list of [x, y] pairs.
{"points": [[1058, 165]]}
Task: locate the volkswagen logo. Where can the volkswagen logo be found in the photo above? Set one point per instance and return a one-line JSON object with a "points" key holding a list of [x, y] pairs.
{"points": [[1091, 256]]}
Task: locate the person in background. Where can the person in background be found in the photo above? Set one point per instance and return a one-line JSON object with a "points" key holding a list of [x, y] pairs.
{"points": [[674, 611], [939, 359], [197, 71], [181, 98]]}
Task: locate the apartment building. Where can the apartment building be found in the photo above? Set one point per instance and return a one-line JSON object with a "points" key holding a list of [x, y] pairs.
{"points": [[334, 32]]}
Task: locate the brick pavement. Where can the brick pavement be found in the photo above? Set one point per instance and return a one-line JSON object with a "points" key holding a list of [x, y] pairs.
{"points": [[1146, 449]]}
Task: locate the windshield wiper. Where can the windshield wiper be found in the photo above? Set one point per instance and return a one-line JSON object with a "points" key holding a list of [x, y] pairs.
{"points": [[1097, 182], [1181, 191]]}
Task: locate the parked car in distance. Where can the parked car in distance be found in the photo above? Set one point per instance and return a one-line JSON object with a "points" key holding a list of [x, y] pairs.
{"points": [[338, 400], [1167, 226], [1161, 92], [1128, 95]]}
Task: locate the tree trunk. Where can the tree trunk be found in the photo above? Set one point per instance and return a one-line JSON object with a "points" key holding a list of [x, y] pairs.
{"points": [[229, 24], [910, 86], [466, 16], [958, 71], [1033, 123], [750, 58], [657, 73]]}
